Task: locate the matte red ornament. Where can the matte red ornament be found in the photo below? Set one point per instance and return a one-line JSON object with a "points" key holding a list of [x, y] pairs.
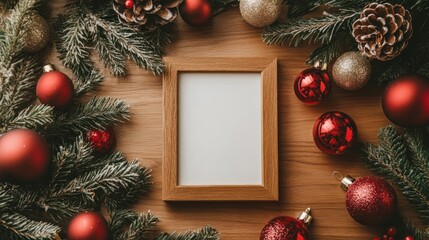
{"points": [[24, 155], [406, 101], [88, 226], [54, 88], [370, 200], [102, 141], [287, 228], [196, 12], [129, 4], [334, 132], [312, 86]]}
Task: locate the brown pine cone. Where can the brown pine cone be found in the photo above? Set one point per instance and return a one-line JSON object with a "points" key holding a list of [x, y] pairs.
{"points": [[147, 13], [383, 30]]}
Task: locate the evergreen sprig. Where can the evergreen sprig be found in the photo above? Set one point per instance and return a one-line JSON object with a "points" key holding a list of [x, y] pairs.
{"points": [[207, 233]]}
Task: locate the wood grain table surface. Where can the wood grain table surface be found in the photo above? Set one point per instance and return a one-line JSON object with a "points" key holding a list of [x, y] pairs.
{"points": [[306, 178]]}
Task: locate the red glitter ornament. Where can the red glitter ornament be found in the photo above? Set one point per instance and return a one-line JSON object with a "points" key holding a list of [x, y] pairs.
{"points": [[288, 228], [54, 88], [334, 132], [88, 225], [129, 4], [370, 200], [196, 12], [24, 155], [312, 86], [406, 101], [101, 141]]}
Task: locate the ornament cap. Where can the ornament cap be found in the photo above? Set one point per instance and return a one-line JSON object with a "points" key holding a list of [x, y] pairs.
{"points": [[305, 216], [48, 68], [346, 182]]}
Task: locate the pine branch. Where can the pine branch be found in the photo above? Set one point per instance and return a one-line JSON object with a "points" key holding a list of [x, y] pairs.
{"points": [[206, 233], [111, 56], [221, 5], [32, 117], [138, 225], [419, 153], [300, 7], [391, 159], [298, 30], [323, 55], [17, 227]]}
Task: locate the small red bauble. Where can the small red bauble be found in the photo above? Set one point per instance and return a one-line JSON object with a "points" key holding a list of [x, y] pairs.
{"points": [[370, 200], [408, 238], [88, 226], [129, 4], [101, 141], [312, 86], [406, 101], [334, 132], [54, 88], [196, 12], [287, 228], [24, 155]]}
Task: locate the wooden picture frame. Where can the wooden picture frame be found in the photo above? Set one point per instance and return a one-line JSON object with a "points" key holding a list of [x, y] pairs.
{"points": [[268, 189]]}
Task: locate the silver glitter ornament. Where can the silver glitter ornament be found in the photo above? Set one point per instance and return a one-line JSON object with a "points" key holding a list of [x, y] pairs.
{"points": [[351, 71], [260, 13], [37, 34]]}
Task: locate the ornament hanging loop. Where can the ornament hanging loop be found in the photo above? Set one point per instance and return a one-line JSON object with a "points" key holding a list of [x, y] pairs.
{"points": [[338, 176]]}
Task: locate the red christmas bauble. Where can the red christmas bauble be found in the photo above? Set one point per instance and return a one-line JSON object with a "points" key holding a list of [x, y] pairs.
{"points": [[101, 141], [24, 155], [54, 88], [312, 86], [129, 4], [196, 12], [334, 132], [371, 201], [287, 228], [88, 226], [406, 101]]}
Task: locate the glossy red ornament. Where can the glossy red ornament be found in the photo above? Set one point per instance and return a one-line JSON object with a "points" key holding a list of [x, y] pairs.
{"points": [[196, 12], [54, 88], [101, 141], [287, 228], [334, 132], [406, 101], [88, 226], [312, 86], [408, 238], [24, 155], [370, 200], [129, 4]]}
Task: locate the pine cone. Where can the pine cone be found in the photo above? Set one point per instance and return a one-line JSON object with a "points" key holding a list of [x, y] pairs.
{"points": [[383, 30], [147, 13]]}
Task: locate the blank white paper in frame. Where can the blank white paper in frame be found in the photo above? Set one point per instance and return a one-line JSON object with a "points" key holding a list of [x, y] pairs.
{"points": [[219, 128]]}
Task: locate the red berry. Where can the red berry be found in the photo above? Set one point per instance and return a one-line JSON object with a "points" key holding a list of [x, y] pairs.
{"points": [[408, 238], [391, 231], [129, 4], [385, 237]]}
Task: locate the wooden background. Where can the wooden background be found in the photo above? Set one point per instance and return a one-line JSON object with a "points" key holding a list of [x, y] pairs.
{"points": [[305, 173]]}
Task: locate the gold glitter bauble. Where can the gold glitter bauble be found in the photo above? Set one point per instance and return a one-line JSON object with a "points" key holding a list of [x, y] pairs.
{"points": [[260, 13], [351, 71], [37, 35]]}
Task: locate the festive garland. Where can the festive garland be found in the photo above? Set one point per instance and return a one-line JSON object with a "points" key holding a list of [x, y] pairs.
{"points": [[73, 138]]}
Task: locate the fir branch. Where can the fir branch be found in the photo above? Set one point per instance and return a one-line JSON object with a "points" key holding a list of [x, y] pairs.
{"points": [[298, 30], [206, 233], [390, 159], [300, 7], [139, 225], [221, 5], [419, 153], [111, 56], [323, 55], [16, 226], [32, 117]]}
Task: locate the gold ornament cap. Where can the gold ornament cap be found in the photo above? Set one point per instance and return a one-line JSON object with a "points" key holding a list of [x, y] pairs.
{"points": [[48, 68], [305, 216], [345, 181]]}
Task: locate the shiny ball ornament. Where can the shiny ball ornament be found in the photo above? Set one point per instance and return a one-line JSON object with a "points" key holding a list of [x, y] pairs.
{"points": [[312, 86], [88, 226], [24, 156], [196, 12], [37, 35], [288, 228], [54, 88], [102, 141], [260, 13], [129, 4], [370, 200], [406, 101], [351, 71], [334, 132]]}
